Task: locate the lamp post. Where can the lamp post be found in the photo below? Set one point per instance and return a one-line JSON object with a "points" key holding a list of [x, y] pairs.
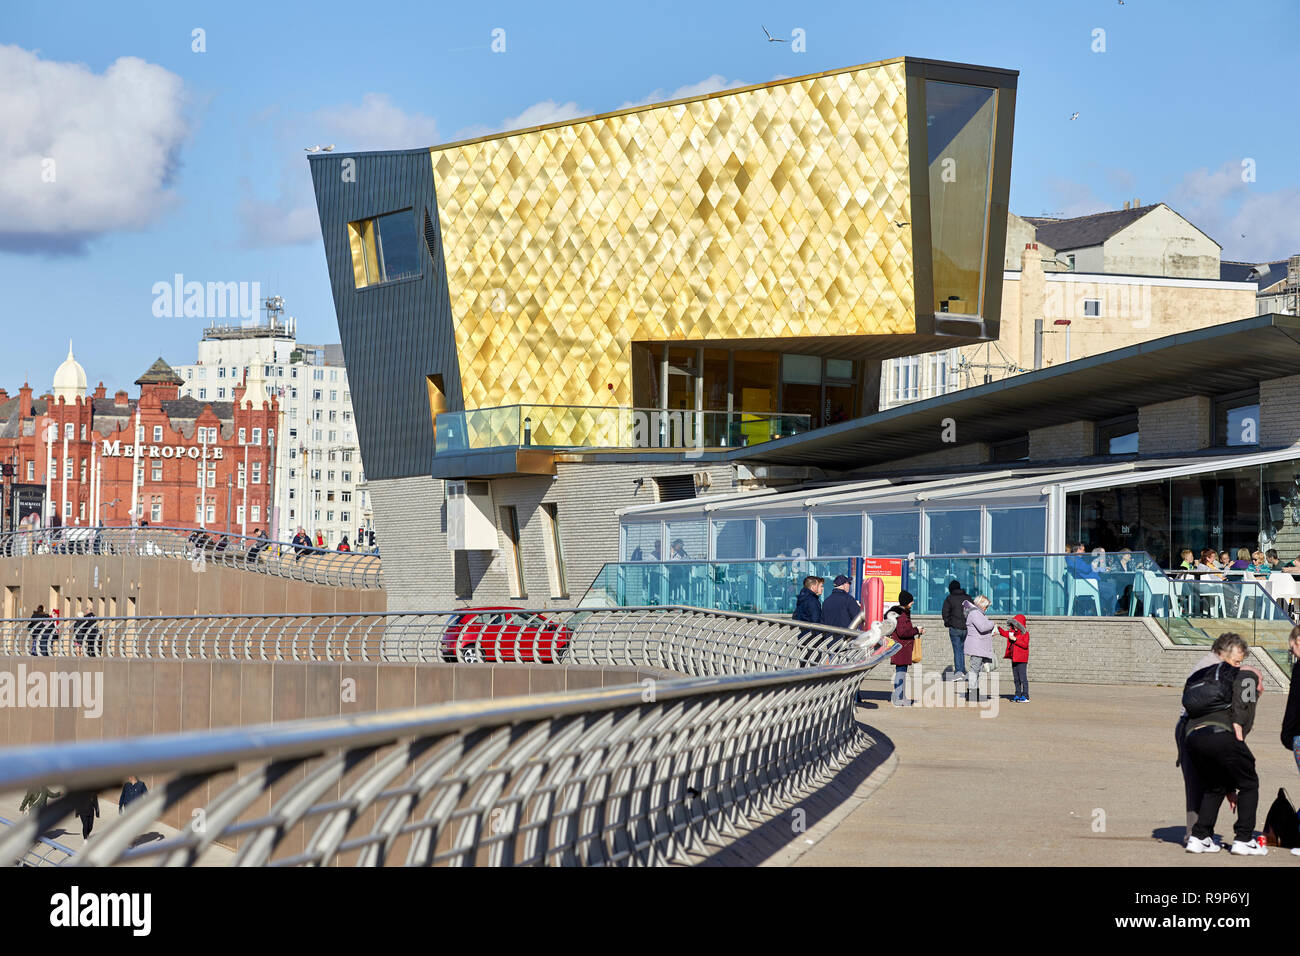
{"points": [[1066, 323]]}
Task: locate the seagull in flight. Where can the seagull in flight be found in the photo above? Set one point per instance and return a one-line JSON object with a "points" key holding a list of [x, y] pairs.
{"points": [[311, 149], [901, 224], [1075, 116], [772, 39]]}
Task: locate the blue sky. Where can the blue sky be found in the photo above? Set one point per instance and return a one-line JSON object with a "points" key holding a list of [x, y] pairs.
{"points": [[176, 161]]}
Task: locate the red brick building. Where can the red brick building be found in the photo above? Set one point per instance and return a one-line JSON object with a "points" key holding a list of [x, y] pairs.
{"points": [[195, 463]]}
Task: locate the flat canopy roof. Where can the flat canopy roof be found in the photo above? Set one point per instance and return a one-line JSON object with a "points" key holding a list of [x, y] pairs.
{"points": [[1216, 360]]}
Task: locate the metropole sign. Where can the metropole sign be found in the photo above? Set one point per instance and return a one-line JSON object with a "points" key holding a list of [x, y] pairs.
{"points": [[115, 449]]}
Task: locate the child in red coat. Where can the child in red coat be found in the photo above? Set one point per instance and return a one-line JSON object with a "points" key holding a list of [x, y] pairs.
{"points": [[1017, 634]]}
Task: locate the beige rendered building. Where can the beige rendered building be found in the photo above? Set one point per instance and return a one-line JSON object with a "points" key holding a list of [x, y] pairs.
{"points": [[1096, 283]]}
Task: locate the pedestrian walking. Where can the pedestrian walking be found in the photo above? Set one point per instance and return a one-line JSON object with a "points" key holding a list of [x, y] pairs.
{"points": [[1291, 717], [36, 631], [1220, 701], [36, 799], [808, 605], [954, 619], [906, 633], [1017, 634], [978, 646], [87, 813], [1192, 789], [86, 636], [132, 790]]}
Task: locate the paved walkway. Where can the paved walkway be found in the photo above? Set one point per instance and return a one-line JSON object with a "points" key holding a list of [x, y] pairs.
{"points": [[69, 832], [1025, 786]]}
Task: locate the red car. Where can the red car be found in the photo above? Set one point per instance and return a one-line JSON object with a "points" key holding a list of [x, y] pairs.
{"points": [[504, 634]]}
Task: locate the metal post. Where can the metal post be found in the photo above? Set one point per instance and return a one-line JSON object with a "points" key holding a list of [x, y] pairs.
{"points": [[203, 486], [1038, 344], [49, 463], [243, 525], [135, 468], [229, 529]]}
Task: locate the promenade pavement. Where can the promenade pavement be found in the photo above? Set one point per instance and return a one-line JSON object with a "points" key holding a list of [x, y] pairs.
{"points": [[69, 832], [1083, 775]]}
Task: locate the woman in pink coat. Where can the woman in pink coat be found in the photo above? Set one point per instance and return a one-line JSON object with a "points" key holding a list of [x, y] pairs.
{"points": [[979, 642]]}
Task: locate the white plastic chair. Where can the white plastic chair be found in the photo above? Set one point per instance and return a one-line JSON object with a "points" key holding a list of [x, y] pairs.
{"points": [[1086, 591], [1161, 592]]}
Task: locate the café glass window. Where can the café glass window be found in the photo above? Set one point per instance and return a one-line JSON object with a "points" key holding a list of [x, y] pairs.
{"points": [[838, 535], [785, 536], [893, 532], [734, 539]]}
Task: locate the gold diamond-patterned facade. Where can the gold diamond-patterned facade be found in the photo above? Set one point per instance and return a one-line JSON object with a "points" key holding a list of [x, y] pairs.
{"points": [[775, 212]]}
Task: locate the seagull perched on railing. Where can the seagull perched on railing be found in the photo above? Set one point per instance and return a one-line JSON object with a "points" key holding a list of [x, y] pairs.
{"points": [[770, 38]]}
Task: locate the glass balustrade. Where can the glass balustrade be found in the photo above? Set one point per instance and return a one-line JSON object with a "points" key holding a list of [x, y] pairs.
{"points": [[575, 426], [1190, 609]]}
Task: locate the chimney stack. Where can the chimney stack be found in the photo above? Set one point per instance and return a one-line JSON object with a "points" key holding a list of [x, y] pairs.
{"points": [[1125, 203], [100, 391], [25, 401], [120, 399]]}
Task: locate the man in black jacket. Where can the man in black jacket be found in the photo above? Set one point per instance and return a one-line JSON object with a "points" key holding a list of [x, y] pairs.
{"points": [[1216, 745], [840, 608], [808, 605], [1291, 718], [954, 619]]}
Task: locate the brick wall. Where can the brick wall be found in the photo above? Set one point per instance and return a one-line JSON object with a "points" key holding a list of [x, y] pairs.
{"points": [[419, 571], [1186, 424], [1279, 411], [1071, 440], [1088, 651]]}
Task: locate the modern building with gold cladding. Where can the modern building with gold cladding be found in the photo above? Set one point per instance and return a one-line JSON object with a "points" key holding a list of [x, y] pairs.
{"points": [[749, 253]]}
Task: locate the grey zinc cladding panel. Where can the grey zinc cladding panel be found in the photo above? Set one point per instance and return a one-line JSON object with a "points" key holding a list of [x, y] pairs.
{"points": [[395, 334]]}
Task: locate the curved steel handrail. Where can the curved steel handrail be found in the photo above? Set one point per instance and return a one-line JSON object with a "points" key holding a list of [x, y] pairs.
{"points": [[646, 773], [244, 552], [44, 852]]}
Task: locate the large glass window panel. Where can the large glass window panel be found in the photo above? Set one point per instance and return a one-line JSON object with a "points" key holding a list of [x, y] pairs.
{"points": [[783, 536], [894, 532], [686, 540], [953, 532], [959, 134], [735, 539], [1017, 530], [641, 541], [399, 251], [839, 535]]}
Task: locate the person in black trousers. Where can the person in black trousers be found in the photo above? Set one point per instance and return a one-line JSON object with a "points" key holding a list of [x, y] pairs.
{"points": [[1291, 718], [1216, 745], [87, 812]]}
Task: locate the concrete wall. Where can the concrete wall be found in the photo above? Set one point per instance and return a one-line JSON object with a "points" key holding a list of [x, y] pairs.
{"points": [[1183, 425], [1088, 651], [1163, 243], [107, 584], [419, 569]]}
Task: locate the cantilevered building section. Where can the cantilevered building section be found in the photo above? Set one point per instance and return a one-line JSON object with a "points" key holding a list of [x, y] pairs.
{"points": [[753, 251], [559, 314]]}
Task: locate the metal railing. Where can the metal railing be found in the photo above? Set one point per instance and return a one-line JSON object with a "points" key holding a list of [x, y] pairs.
{"points": [[664, 637], [199, 547], [644, 774], [44, 852]]}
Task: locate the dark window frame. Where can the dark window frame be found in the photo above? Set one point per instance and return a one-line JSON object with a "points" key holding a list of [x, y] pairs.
{"points": [[1000, 451], [1103, 440], [1226, 403]]}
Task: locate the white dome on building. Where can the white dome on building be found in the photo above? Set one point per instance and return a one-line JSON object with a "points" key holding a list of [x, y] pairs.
{"points": [[69, 379]]}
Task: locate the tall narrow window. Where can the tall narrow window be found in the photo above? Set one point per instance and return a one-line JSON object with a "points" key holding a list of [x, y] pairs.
{"points": [[515, 568], [554, 551]]}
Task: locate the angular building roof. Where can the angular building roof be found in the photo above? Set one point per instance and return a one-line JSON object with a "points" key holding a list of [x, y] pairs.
{"points": [[160, 373], [1084, 231]]}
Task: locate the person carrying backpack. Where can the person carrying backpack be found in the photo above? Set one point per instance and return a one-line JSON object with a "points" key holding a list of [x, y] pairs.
{"points": [[954, 619], [1220, 703]]}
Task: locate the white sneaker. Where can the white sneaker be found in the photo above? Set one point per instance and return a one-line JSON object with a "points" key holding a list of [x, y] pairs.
{"points": [[1248, 849], [1295, 851], [1207, 845]]}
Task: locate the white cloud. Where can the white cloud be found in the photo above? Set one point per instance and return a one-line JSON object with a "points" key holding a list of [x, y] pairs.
{"points": [[710, 84], [377, 123], [113, 139], [289, 216], [539, 114], [1071, 199], [1252, 224]]}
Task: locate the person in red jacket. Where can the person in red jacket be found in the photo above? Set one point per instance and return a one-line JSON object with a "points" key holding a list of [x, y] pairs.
{"points": [[905, 633], [1017, 634]]}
